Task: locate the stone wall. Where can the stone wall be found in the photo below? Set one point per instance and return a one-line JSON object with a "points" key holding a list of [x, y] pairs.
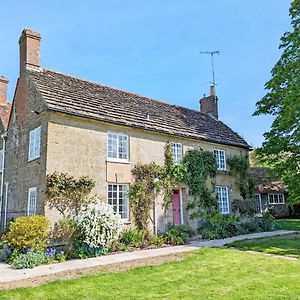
{"points": [[79, 147], [21, 174]]}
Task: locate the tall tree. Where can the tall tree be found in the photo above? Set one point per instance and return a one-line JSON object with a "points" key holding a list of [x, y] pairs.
{"points": [[281, 148]]}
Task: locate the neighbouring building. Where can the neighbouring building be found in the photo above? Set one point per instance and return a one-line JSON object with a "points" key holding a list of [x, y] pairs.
{"points": [[66, 124], [270, 194], [5, 108]]}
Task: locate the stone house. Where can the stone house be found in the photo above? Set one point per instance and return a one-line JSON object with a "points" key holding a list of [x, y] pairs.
{"points": [[5, 108], [270, 194], [66, 124]]}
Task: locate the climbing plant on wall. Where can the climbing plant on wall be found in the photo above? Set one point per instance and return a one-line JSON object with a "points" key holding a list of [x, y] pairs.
{"points": [[143, 191], [171, 174], [200, 166], [196, 168], [240, 169], [68, 194]]}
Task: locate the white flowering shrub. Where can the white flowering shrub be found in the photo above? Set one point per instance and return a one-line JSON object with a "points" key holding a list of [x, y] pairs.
{"points": [[99, 225]]}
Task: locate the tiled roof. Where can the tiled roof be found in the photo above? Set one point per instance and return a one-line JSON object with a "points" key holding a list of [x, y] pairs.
{"points": [[79, 97], [4, 114], [266, 184]]}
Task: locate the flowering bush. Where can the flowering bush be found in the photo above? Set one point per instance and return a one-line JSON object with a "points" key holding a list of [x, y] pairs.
{"points": [[28, 233], [99, 225]]}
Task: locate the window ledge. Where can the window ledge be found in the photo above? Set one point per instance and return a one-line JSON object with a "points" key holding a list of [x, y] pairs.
{"points": [[118, 161], [33, 159]]}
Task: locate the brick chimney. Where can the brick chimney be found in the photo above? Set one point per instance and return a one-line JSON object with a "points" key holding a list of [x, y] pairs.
{"points": [[29, 49], [209, 105], [3, 90]]}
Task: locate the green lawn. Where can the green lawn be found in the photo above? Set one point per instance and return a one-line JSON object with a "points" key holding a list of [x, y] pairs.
{"points": [[205, 274], [287, 245], [289, 224]]}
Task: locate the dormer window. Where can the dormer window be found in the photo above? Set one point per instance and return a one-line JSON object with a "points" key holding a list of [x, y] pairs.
{"points": [[177, 150], [220, 159]]}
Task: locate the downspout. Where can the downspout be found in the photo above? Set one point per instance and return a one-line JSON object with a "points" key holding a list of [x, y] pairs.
{"points": [[3, 137], [5, 205]]}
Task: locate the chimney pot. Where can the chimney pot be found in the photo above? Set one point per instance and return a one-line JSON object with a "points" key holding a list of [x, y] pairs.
{"points": [[29, 49], [212, 90], [3, 90]]}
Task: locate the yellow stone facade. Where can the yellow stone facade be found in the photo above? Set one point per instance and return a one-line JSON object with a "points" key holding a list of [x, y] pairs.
{"points": [[78, 146]]}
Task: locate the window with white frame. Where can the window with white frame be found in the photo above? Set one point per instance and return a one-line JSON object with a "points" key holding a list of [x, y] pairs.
{"points": [[32, 195], [220, 159], [223, 199], [1, 160], [117, 197], [177, 151], [117, 146], [34, 143], [276, 199]]}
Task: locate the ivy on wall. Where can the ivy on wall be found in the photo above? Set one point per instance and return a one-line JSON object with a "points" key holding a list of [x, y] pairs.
{"points": [[240, 169], [200, 167], [195, 170]]}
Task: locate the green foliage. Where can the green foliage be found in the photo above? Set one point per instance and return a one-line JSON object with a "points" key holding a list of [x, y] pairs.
{"points": [[65, 232], [240, 169], [26, 260], [281, 148], [217, 226], [177, 235], [3, 254], [244, 207], [142, 193], [133, 238], [200, 166], [68, 194], [82, 250], [28, 233], [171, 174]]}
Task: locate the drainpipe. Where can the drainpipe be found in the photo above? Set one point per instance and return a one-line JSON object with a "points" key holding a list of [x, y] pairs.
{"points": [[154, 218], [5, 205], [3, 137]]}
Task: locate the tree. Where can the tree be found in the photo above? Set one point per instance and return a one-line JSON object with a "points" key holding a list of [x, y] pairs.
{"points": [[281, 148]]}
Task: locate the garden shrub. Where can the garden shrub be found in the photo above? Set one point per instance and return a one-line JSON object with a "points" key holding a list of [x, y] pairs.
{"points": [[99, 225], [218, 226], [177, 235], [26, 260], [156, 240], [133, 237], [245, 207], [82, 250], [65, 232], [28, 233]]}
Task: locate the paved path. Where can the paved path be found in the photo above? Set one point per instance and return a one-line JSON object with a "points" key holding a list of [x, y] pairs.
{"points": [[8, 274]]}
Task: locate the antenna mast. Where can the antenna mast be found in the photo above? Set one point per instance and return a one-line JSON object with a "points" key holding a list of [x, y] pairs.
{"points": [[212, 53]]}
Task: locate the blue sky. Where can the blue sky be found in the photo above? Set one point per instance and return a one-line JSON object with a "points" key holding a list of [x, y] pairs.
{"points": [[153, 48]]}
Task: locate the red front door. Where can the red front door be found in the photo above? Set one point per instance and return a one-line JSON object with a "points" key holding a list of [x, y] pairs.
{"points": [[176, 207]]}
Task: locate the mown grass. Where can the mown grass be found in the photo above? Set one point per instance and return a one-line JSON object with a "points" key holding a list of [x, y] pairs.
{"points": [[287, 245], [289, 224], [205, 274]]}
